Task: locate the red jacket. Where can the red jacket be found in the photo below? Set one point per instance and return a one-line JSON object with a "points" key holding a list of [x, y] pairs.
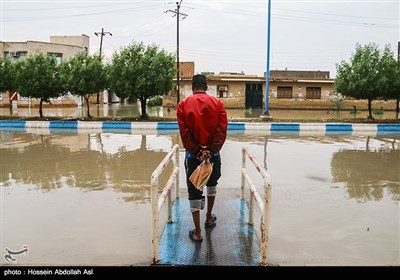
{"points": [[202, 121]]}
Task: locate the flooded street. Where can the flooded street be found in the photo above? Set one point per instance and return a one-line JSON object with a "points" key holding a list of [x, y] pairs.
{"points": [[84, 199]]}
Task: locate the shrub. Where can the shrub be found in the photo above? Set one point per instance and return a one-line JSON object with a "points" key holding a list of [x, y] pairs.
{"points": [[156, 101]]}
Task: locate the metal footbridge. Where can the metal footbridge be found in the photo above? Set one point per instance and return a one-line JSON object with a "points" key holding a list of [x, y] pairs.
{"points": [[233, 241]]}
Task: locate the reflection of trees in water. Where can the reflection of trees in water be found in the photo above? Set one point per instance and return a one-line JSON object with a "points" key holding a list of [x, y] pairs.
{"points": [[368, 173], [49, 166]]}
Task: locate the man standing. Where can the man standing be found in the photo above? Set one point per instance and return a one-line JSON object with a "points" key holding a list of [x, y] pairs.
{"points": [[202, 125]]}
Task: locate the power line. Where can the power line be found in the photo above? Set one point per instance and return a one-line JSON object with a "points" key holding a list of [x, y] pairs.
{"points": [[300, 18], [135, 9], [339, 15], [60, 8], [232, 11]]}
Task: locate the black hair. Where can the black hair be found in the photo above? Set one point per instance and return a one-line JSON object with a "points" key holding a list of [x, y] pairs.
{"points": [[199, 82]]}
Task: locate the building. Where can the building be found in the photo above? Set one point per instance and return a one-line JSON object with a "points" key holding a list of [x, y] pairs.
{"points": [[289, 84], [62, 47], [238, 90]]}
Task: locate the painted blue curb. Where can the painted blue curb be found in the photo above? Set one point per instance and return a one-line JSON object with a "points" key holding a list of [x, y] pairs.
{"points": [[233, 127], [20, 124], [63, 124], [116, 125], [167, 125], [338, 127], [388, 127], [285, 126], [174, 126], [236, 126]]}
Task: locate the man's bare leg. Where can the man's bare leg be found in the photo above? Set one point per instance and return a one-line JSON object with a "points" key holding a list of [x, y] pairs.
{"points": [[210, 205], [196, 221]]}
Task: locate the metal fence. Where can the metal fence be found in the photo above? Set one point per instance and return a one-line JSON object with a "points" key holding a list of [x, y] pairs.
{"points": [[263, 204], [157, 200]]}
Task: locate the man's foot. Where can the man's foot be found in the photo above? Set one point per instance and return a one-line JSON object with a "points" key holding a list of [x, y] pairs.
{"points": [[211, 222], [194, 236]]}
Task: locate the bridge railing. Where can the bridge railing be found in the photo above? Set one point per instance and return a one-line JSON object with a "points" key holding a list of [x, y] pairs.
{"points": [[157, 201], [262, 203]]}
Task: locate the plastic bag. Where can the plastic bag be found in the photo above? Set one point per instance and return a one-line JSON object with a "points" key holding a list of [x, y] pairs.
{"points": [[201, 174]]}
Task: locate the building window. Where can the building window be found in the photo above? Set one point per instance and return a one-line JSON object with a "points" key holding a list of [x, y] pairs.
{"points": [[285, 92], [313, 93], [58, 56], [15, 56], [223, 91]]}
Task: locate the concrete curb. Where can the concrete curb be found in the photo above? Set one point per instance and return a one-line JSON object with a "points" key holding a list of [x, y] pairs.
{"points": [[171, 127]]}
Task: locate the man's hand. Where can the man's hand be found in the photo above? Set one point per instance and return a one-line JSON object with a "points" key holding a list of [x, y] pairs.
{"points": [[203, 155]]}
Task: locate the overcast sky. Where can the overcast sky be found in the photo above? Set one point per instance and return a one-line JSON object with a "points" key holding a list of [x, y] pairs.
{"points": [[227, 36]]}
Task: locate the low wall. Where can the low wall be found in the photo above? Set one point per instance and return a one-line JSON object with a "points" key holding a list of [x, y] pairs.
{"points": [[172, 127]]}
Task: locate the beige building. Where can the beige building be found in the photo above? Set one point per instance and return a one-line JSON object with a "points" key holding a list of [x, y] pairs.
{"points": [[237, 90], [288, 84], [62, 47]]}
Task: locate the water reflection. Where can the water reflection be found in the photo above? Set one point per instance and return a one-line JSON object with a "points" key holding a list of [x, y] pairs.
{"points": [[49, 162], [66, 190], [124, 162], [367, 173]]}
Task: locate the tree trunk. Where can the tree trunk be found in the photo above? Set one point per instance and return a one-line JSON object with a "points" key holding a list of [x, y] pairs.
{"points": [[87, 105], [98, 98], [40, 108], [143, 106], [370, 109], [397, 107]]}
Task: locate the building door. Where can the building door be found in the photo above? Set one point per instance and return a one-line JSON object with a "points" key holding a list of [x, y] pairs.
{"points": [[254, 95]]}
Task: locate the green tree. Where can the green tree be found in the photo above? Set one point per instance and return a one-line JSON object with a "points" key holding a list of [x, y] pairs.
{"points": [[396, 90], [140, 72], [367, 75], [84, 75], [38, 77], [391, 83], [6, 75]]}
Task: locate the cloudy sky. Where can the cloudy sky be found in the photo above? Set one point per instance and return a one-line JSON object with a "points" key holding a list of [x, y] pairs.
{"points": [[228, 36]]}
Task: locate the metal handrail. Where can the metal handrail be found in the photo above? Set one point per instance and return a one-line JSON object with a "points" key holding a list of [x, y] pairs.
{"points": [[158, 201], [263, 205]]}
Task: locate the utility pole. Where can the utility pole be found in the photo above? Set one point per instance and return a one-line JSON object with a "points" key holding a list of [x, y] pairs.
{"points": [[102, 33], [266, 116], [177, 14], [398, 99], [266, 113]]}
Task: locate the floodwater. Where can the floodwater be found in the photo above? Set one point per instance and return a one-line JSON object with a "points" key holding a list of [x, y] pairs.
{"points": [[84, 199], [132, 110]]}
